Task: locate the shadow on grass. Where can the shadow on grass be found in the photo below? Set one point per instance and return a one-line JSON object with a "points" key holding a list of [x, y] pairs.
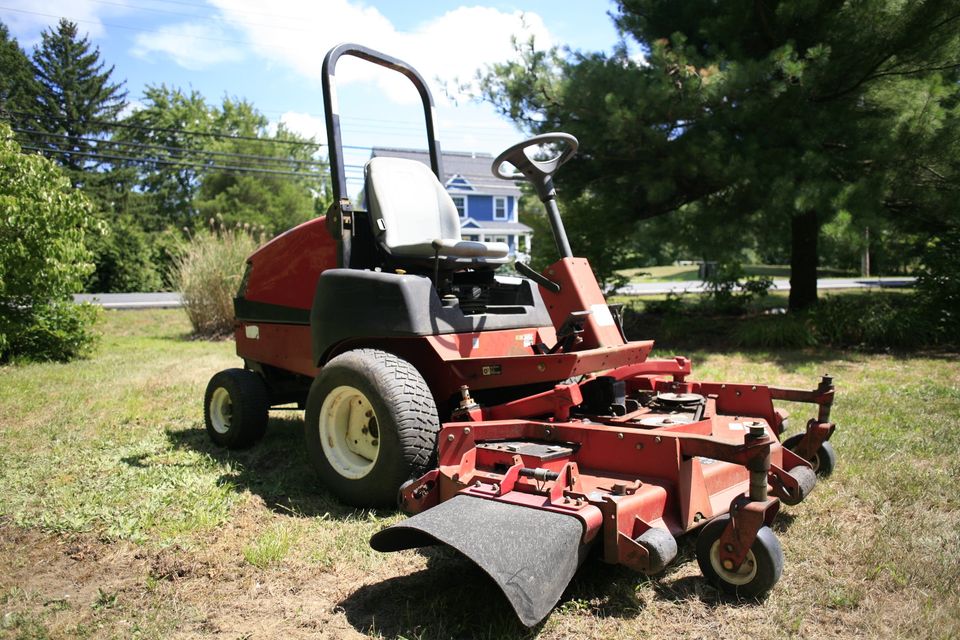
{"points": [[453, 598], [276, 468]]}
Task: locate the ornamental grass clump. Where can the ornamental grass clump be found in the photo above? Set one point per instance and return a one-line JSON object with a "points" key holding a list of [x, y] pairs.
{"points": [[207, 272]]}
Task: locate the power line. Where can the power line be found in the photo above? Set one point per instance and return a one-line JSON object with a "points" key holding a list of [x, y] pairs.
{"points": [[204, 134], [184, 150], [176, 163]]}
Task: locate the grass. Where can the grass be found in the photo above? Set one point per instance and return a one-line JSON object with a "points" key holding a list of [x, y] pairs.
{"points": [[118, 518]]}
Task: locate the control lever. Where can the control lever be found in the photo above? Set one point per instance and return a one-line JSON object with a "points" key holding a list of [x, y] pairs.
{"points": [[536, 276]]}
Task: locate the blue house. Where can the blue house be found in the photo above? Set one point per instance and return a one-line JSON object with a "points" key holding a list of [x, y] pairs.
{"points": [[487, 205]]}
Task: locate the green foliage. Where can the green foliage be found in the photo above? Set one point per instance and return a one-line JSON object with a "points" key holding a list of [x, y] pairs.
{"points": [[125, 260], [873, 321], [939, 282], [207, 272], [774, 332], [43, 259], [730, 291], [750, 123], [17, 85], [187, 194]]}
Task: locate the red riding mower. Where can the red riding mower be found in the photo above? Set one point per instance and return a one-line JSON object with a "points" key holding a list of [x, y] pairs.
{"points": [[510, 415]]}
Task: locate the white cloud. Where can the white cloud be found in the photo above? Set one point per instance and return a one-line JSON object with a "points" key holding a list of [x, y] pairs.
{"points": [[304, 124], [191, 45], [27, 18], [453, 45]]}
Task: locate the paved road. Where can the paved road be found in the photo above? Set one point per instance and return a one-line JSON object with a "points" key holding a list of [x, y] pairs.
{"points": [[131, 300], [172, 300]]}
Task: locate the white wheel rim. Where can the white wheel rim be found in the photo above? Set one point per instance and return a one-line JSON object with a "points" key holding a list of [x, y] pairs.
{"points": [[221, 410], [349, 432], [740, 577]]}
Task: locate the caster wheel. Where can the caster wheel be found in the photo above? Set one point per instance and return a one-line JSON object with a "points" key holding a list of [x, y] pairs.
{"points": [[760, 570], [823, 461]]}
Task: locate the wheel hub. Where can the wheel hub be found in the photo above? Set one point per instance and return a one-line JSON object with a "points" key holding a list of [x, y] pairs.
{"points": [[349, 432], [740, 576], [221, 410]]}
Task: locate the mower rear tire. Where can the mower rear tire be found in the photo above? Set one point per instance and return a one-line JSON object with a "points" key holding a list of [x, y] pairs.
{"points": [[824, 460], [760, 570], [236, 408], [370, 425]]}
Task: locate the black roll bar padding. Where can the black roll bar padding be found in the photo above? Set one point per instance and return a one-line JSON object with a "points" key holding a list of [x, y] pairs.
{"points": [[332, 116]]}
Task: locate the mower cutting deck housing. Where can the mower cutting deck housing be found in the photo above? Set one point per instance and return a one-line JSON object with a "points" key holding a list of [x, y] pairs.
{"points": [[511, 415]]}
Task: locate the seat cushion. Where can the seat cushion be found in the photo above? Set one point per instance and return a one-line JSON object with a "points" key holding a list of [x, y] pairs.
{"points": [[413, 215]]}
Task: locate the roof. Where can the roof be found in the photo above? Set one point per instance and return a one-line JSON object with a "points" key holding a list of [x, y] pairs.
{"points": [[475, 167]]}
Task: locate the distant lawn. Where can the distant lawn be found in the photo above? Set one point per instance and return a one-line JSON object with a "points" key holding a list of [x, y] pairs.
{"points": [[672, 273], [118, 518]]}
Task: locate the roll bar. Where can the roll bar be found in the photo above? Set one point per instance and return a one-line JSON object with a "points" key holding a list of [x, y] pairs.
{"points": [[332, 116]]}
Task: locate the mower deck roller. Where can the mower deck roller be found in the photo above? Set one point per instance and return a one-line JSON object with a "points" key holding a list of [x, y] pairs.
{"points": [[530, 554], [512, 416]]}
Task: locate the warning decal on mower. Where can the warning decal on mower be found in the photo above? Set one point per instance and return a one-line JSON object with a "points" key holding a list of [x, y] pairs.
{"points": [[601, 315], [492, 370]]}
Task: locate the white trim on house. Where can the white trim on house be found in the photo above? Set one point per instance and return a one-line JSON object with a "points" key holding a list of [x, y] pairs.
{"points": [[465, 210], [506, 208], [466, 186]]}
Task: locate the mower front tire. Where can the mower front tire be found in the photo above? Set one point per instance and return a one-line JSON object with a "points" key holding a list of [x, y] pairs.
{"points": [[235, 408], [824, 460], [760, 570], [370, 425]]}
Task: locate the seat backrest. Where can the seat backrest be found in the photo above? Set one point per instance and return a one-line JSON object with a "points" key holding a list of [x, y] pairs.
{"points": [[407, 204]]}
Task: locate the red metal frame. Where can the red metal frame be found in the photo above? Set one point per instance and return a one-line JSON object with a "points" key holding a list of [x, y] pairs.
{"points": [[621, 478]]}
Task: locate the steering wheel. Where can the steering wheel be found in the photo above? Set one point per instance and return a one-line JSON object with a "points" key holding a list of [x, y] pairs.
{"points": [[538, 172]]}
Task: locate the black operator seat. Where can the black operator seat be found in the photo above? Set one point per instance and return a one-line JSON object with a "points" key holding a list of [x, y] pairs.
{"points": [[414, 219]]}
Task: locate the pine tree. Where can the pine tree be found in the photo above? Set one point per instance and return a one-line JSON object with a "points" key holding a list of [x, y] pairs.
{"points": [[17, 87], [751, 118], [76, 98]]}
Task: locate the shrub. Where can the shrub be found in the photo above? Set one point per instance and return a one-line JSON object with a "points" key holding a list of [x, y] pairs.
{"points": [[124, 259], [207, 272], [43, 258], [730, 291], [774, 332], [939, 283], [873, 320]]}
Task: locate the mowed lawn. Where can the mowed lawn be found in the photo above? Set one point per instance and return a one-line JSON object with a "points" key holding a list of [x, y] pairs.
{"points": [[119, 519]]}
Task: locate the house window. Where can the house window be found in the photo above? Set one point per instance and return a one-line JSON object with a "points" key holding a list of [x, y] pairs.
{"points": [[499, 208], [502, 239], [468, 237], [460, 202]]}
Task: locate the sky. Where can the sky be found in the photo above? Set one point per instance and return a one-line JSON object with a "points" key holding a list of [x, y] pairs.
{"points": [[270, 53]]}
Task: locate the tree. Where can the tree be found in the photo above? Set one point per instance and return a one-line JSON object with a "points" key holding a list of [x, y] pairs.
{"points": [[220, 161], [43, 259], [76, 100], [780, 113], [17, 86]]}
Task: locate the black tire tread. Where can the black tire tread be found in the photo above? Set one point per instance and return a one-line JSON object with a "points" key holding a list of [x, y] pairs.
{"points": [[251, 400], [826, 453], [410, 403], [408, 392]]}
